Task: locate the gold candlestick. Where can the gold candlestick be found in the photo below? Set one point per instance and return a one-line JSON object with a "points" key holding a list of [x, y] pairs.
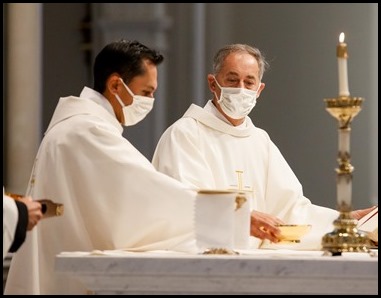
{"points": [[345, 237]]}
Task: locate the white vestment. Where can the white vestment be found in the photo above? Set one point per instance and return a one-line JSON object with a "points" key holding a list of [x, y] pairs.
{"points": [[203, 150], [10, 218], [113, 197]]}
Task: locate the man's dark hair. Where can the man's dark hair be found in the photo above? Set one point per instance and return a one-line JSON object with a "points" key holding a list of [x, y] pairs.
{"points": [[125, 58]]}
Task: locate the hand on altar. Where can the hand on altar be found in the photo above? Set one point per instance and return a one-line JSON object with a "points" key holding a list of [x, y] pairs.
{"points": [[357, 214], [264, 226]]}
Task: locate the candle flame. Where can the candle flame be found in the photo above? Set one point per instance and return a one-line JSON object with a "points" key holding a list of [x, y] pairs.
{"points": [[341, 37]]}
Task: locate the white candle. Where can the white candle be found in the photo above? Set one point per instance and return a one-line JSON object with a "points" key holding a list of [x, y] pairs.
{"points": [[342, 56]]}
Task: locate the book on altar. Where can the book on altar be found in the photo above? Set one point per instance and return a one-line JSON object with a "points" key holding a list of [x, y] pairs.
{"points": [[369, 225]]}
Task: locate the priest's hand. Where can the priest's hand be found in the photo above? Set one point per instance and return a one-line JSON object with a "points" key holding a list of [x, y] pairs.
{"points": [[357, 214], [34, 211], [264, 226]]}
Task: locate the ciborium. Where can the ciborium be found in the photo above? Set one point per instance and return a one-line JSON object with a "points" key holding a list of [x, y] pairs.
{"points": [[345, 237]]}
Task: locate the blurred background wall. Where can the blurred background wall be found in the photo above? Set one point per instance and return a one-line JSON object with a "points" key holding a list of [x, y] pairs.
{"points": [[48, 50]]}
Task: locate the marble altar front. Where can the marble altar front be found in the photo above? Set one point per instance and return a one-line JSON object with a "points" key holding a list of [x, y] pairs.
{"points": [[250, 272]]}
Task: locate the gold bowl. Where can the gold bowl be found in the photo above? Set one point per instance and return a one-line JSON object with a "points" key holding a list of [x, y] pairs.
{"points": [[293, 233]]}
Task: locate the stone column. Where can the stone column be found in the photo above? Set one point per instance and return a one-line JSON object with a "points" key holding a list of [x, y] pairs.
{"points": [[24, 92], [198, 53]]}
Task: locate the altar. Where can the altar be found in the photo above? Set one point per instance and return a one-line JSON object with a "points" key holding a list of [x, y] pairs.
{"points": [[250, 272]]}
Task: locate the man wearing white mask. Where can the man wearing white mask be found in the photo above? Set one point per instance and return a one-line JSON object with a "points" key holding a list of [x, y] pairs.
{"points": [[112, 195], [218, 147]]}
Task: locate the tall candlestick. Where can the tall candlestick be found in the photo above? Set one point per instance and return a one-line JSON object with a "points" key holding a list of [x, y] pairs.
{"points": [[345, 237], [342, 56]]}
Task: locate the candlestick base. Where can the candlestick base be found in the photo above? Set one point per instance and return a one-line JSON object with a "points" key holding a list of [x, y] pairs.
{"points": [[345, 237]]}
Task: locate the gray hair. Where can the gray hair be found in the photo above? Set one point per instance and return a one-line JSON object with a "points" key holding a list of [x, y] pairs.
{"points": [[222, 53]]}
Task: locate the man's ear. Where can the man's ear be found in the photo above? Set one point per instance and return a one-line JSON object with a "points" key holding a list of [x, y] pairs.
{"points": [[112, 83], [211, 83], [261, 89]]}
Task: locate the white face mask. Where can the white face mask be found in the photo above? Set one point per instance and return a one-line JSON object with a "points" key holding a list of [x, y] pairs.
{"points": [[138, 109], [237, 103]]}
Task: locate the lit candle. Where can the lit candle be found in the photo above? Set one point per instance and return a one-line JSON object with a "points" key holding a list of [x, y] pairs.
{"points": [[342, 56]]}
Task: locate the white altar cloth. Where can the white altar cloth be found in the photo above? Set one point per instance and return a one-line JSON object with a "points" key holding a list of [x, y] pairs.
{"points": [[251, 272]]}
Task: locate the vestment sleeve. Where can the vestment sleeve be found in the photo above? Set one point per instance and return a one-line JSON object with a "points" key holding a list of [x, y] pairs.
{"points": [[179, 154]]}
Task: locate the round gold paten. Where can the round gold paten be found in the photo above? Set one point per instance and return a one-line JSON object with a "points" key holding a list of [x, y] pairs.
{"points": [[293, 233]]}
